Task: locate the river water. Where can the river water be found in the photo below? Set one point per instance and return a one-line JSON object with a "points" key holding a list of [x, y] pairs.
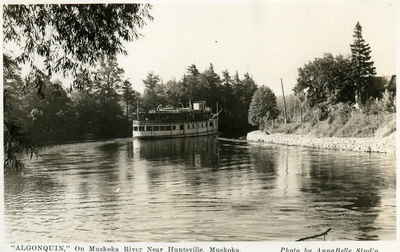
{"points": [[199, 189]]}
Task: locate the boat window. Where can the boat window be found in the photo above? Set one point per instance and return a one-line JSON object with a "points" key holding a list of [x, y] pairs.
{"points": [[168, 127], [162, 128], [156, 128], [149, 128], [135, 128], [141, 128], [174, 127], [211, 124], [181, 126]]}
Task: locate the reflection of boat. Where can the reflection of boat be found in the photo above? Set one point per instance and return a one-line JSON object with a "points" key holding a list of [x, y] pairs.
{"points": [[197, 151], [176, 122]]}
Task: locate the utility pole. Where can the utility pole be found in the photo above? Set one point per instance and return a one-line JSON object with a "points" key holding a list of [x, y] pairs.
{"points": [[284, 101], [301, 114]]}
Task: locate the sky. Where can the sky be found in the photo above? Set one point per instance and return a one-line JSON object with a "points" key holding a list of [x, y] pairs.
{"points": [[268, 39]]}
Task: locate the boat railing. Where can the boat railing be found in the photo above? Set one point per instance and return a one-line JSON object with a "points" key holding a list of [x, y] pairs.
{"points": [[165, 117], [154, 122]]}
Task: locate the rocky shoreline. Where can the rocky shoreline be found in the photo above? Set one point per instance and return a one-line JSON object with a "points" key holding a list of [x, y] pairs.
{"points": [[367, 144]]}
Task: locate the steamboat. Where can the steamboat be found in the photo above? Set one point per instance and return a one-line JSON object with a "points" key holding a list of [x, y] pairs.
{"points": [[168, 122]]}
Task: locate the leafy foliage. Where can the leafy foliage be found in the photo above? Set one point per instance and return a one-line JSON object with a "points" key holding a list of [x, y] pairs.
{"points": [[15, 136], [66, 39], [107, 79], [93, 113], [331, 80], [99, 113], [67, 36], [130, 98], [326, 79], [155, 93], [263, 107]]}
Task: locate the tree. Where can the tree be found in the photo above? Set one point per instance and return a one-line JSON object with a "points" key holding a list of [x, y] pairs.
{"points": [[391, 85], [230, 106], [176, 93], [326, 80], [87, 111], [192, 86], [227, 95], [50, 119], [389, 96], [66, 39], [211, 85], [15, 136], [66, 36], [243, 92], [128, 96], [248, 88], [263, 107], [362, 66], [155, 93], [107, 79]]}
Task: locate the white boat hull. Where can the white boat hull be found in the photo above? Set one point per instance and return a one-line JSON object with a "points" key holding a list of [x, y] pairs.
{"points": [[143, 129]]}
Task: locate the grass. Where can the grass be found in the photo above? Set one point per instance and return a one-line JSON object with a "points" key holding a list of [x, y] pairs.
{"points": [[343, 121]]}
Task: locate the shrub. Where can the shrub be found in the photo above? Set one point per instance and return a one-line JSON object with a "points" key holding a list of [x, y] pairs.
{"points": [[388, 102], [263, 107], [340, 112]]}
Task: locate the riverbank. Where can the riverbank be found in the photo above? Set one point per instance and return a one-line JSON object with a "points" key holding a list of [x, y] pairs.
{"points": [[365, 144]]}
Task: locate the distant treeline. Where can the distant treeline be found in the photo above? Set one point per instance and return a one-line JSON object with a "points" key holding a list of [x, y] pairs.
{"points": [[102, 105], [231, 93], [37, 114]]}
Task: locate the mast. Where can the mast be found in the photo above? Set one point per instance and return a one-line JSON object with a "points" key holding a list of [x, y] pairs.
{"points": [[137, 110]]}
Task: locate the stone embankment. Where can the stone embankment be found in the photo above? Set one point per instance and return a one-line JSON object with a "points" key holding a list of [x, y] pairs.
{"points": [[367, 144]]}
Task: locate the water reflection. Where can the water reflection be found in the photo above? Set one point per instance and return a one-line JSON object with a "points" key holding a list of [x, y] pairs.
{"points": [[199, 189], [348, 192], [196, 152]]}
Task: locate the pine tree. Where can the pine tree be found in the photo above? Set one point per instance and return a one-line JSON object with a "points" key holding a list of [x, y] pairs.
{"points": [[128, 97], [155, 92], [363, 69], [212, 83], [191, 82]]}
